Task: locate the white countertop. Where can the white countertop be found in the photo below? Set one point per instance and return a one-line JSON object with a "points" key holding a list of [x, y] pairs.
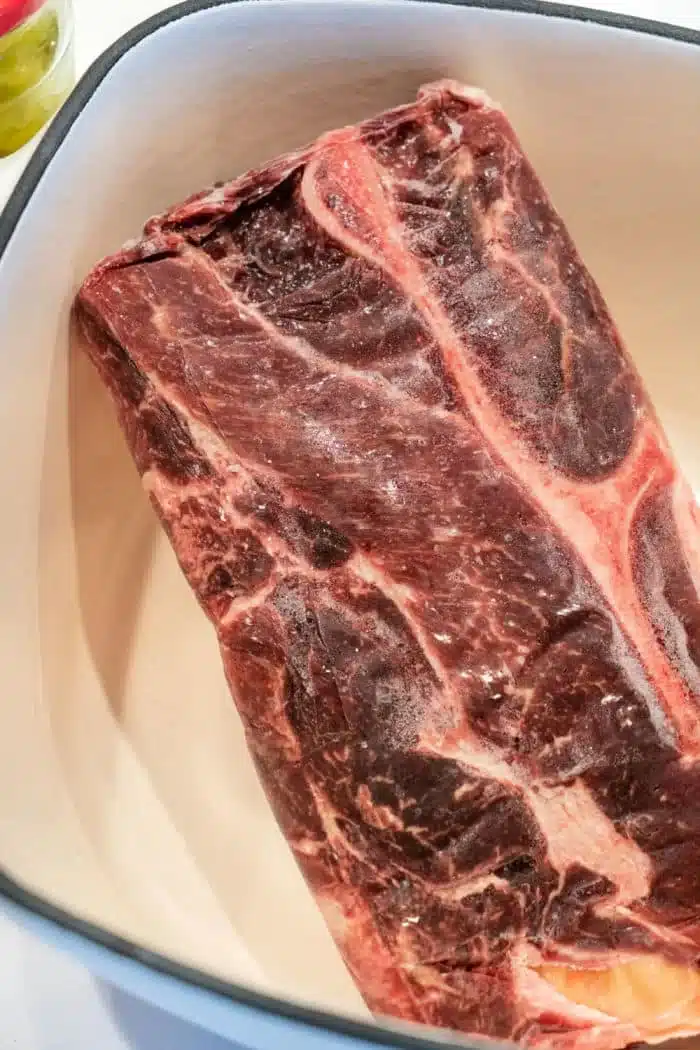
{"points": [[35, 983]]}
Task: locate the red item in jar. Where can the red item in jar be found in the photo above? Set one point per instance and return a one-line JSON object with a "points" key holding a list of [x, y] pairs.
{"points": [[14, 12]]}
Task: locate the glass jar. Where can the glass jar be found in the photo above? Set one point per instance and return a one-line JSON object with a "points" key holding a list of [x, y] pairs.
{"points": [[36, 66]]}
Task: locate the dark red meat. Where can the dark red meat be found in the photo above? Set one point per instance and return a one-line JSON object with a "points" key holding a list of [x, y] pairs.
{"points": [[411, 475]]}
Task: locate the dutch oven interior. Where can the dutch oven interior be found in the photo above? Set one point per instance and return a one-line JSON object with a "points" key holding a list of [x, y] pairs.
{"points": [[126, 793]]}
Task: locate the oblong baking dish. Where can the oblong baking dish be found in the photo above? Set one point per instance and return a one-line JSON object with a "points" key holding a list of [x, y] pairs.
{"points": [[132, 826]]}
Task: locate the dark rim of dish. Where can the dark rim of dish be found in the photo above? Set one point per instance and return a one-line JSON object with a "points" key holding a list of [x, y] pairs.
{"points": [[9, 219]]}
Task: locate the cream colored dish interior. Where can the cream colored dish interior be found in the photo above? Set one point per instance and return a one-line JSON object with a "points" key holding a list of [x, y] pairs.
{"points": [[126, 794]]}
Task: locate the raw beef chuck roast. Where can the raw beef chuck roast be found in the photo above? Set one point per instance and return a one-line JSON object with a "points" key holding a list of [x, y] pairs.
{"points": [[411, 475]]}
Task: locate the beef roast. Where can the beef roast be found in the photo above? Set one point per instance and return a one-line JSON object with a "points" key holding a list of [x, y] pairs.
{"points": [[413, 479]]}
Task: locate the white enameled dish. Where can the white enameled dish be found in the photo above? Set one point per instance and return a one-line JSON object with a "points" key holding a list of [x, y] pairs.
{"points": [[132, 827]]}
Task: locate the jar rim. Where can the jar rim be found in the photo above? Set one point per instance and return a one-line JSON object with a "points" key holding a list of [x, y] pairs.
{"points": [[14, 12]]}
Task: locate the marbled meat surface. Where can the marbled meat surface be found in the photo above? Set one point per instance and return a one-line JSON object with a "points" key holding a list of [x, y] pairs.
{"points": [[412, 477]]}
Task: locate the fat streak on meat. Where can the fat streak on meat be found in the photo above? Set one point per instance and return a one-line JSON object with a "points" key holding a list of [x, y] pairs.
{"points": [[412, 477]]}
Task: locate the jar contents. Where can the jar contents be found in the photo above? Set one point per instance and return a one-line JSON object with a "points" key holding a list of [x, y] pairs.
{"points": [[34, 77]]}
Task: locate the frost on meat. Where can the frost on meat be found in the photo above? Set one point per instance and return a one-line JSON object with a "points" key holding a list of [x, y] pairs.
{"points": [[411, 475]]}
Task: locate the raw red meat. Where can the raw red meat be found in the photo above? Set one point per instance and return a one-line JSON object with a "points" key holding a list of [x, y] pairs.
{"points": [[411, 475]]}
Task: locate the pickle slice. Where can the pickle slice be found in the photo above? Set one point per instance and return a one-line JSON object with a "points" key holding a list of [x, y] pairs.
{"points": [[34, 78], [27, 54]]}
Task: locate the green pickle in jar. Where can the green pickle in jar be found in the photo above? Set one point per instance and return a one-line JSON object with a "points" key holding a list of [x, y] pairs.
{"points": [[35, 68]]}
